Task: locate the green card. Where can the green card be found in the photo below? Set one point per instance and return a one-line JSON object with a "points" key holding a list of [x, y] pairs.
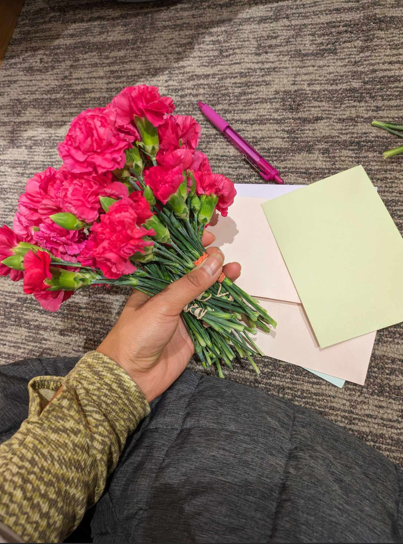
{"points": [[344, 254]]}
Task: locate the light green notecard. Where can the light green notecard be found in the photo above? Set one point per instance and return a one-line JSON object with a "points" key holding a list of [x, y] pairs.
{"points": [[344, 254]]}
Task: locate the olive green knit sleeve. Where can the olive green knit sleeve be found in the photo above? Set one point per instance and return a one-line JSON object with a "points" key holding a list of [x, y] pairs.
{"points": [[56, 465]]}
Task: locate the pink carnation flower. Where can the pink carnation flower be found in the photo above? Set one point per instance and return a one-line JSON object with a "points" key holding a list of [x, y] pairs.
{"points": [[93, 143], [81, 192], [142, 207], [127, 130], [52, 300], [37, 271], [42, 197], [179, 131], [8, 241], [200, 162], [62, 243], [163, 182], [179, 157], [115, 239], [141, 101], [208, 183]]}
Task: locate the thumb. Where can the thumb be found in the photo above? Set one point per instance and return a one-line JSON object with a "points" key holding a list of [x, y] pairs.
{"points": [[174, 298]]}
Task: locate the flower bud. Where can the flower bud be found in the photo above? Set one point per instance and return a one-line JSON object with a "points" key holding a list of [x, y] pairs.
{"points": [[16, 262], [177, 202], [106, 202], [140, 274], [67, 221], [134, 160], [195, 204], [149, 136], [183, 187], [207, 207], [68, 280], [121, 173], [149, 195], [24, 247], [161, 232], [145, 257], [193, 189]]}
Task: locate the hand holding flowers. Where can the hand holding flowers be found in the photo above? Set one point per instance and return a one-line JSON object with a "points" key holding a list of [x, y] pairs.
{"points": [[150, 340], [129, 206]]}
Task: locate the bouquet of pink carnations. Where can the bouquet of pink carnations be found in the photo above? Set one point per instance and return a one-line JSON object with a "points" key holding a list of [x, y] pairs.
{"points": [[128, 207]]}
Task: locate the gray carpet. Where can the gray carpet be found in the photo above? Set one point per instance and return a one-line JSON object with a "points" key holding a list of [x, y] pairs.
{"points": [[302, 80]]}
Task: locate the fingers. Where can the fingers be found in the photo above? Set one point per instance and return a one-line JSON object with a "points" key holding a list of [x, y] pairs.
{"points": [[178, 294], [207, 238], [232, 271], [199, 279], [136, 299], [211, 250]]}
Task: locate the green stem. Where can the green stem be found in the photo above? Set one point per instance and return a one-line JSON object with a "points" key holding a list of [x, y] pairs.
{"points": [[252, 343], [381, 124], [193, 235], [182, 253], [393, 152], [200, 329], [233, 287], [252, 362], [220, 372], [172, 264], [134, 184], [178, 236], [60, 262], [160, 250], [191, 325]]}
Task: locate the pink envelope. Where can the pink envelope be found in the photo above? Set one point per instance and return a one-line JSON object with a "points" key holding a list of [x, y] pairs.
{"points": [[245, 236], [294, 342]]}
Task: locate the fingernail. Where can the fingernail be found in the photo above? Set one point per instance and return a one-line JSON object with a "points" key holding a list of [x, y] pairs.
{"points": [[214, 263]]}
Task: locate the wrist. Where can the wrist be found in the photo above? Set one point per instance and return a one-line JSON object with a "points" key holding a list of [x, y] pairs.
{"points": [[141, 378]]}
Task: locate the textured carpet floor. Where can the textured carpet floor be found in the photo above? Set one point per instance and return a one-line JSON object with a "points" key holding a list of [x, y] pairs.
{"points": [[301, 80]]}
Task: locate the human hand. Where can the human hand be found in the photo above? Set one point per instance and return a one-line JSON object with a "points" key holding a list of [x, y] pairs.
{"points": [[149, 340]]}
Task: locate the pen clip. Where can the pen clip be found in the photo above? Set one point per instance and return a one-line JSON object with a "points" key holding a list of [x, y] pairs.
{"points": [[247, 159]]}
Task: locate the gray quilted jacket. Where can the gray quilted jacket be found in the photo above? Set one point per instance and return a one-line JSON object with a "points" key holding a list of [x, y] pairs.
{"points": [[219, 462]]}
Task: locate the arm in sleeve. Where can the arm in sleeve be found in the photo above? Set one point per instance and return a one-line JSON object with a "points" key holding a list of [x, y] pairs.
{"points": [[56, 465]]}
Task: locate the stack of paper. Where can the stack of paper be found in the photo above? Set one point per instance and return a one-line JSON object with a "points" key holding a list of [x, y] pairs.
{"points": [[337, 279], [344, 253]]}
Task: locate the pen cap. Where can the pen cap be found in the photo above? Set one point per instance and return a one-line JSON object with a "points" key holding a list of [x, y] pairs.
{"points": [[213, 117], [267, 171]]}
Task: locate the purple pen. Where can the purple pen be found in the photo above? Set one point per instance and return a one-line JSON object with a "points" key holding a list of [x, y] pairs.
{"points": [[266, 170]]}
